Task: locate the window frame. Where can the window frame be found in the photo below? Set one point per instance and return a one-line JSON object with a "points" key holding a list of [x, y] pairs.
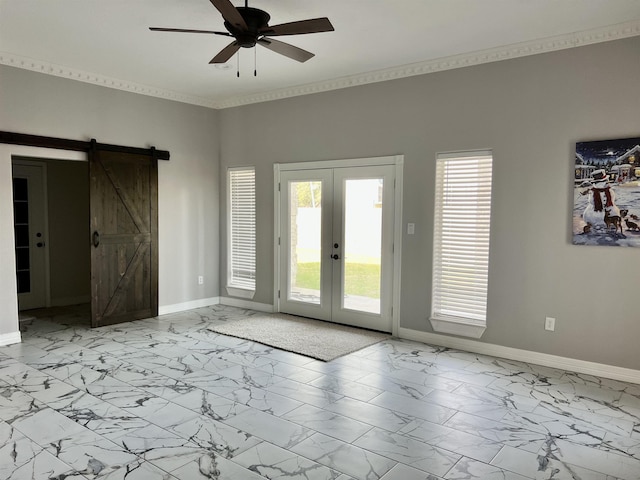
{"points": [[470, 317]]}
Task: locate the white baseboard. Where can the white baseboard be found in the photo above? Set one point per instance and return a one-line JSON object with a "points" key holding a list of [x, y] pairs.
{"points": [[181, 307], [249, 305], [10, 338], [63, 302], [544, 359]]}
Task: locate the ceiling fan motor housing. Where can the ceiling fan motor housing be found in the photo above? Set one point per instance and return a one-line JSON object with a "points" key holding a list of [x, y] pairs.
{"points": [[255, 19]]}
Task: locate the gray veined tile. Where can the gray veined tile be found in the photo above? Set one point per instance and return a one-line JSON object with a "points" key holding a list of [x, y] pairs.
{"points": [[468, 469], [510, 434], [329, 423], [48, 427], [408, 451], [213, 466], [622, 445], [276, 463], [499, 398], [216, 436], [345, 388], [474, 405], [268, 427], [412, 377], [371, 414], [343, 457], [557, 427], [453, 440], [616, 464], [543, 389], [402, 387], [292, 372], [304, 393], [203, 361], [251, 376], [417, 408], [546, 467], [102, 418], [14, 403], [264, 400], [209, 404], [403, 472], [164, 449], [41, 464], [163, 412], [213, 383], [100, 459], [614, 425]]}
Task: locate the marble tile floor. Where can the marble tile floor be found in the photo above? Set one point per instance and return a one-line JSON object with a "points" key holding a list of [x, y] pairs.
{"points": [[166, 398]]}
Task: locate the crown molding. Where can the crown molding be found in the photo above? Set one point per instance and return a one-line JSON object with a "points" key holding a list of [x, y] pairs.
{"points": [[517, 50], [550, 44], [26, 63]]}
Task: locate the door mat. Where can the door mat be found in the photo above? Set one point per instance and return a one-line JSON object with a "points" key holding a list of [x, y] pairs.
{"points": [[312, 338]]}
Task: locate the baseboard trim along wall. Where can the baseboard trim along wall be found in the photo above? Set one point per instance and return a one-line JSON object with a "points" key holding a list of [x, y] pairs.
{"points": [[248, 304], [181, 307], [207, 302], [544, 359], [10, 338]]}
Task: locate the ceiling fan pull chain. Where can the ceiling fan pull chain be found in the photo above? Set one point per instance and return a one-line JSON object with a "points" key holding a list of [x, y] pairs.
{"points": [[238, 65], [255, 62]]}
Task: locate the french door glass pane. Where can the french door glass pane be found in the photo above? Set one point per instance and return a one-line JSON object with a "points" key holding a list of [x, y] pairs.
{"points": [[305, 222], [363, 244]]}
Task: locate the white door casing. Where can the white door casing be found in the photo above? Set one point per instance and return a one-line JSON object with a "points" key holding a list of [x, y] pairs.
{"points": [[353, 231]]}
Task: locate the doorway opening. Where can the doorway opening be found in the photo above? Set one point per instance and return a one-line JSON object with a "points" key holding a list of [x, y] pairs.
{"points": [[51, 215]]}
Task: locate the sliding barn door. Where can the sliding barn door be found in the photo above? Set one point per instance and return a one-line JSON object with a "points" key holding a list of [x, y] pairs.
{"points": [[124, 234]]}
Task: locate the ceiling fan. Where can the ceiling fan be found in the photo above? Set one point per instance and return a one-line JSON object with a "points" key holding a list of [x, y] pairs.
{"points": [[250, 26]]}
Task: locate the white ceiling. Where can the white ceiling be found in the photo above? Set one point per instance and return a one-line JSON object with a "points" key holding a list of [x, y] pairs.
{"points": [[108, 42]]}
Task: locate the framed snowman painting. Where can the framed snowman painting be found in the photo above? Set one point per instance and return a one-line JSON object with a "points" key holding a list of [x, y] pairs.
{"points": [[606, 193]]}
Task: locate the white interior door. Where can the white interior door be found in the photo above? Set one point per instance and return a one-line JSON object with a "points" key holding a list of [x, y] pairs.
{"points": [[30, 235], [336, 245]]}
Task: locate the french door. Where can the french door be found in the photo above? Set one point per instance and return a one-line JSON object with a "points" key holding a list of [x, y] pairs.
{"points": [[336, 244]]}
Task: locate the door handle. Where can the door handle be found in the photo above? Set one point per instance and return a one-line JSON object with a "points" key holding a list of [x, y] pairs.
{"points": [[96, 239], [335, 256]]}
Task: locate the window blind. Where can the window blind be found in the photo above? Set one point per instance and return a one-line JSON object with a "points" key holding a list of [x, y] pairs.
{"points": [[242, 229], [461, 237]]}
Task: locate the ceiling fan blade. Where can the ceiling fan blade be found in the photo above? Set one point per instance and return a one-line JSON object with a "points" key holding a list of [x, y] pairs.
{"points": [[314, 25], [226, 53], [230, 13], [183, 30], [286, 49]]}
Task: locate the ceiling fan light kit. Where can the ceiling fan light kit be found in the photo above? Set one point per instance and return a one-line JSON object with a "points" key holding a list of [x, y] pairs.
{"points": [[250, 27]]}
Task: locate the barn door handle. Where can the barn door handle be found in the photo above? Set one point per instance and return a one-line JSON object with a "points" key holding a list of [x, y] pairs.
{"points": [[96, 239]]}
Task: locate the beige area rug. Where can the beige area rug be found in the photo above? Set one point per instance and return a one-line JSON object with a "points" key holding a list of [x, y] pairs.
{"points": [[312, 338]]}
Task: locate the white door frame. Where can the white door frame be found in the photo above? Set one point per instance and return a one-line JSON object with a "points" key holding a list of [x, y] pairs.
{"points": [[9, 329], [396, 161]]}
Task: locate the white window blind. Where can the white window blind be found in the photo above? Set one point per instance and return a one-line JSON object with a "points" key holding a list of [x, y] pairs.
{"points": [[461, 237], [242, 228]]}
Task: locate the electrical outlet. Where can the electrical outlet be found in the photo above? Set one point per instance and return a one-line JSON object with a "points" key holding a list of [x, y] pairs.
{"points": [[550, 324], [200, 280]]}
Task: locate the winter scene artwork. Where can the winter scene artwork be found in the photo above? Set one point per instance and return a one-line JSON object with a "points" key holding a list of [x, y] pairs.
{"points": [[606, 193]]}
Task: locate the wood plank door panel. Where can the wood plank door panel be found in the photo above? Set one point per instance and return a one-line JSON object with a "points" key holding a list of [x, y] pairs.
{"points": [[124, 229]]}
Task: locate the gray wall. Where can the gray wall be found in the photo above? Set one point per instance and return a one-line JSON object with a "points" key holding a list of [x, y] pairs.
{"points": [[530, 111], [188, 184]]}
